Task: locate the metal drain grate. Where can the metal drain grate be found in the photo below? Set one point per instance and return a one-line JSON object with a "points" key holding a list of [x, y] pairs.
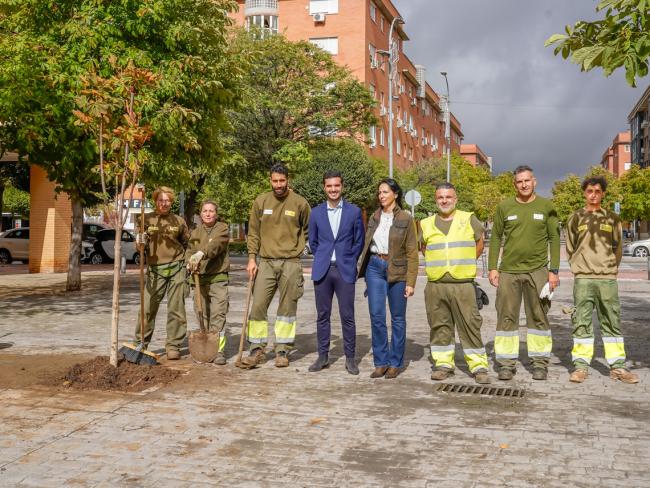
{"points": [[497, 391]]}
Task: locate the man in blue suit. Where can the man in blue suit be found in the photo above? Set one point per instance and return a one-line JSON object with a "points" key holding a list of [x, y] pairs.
{"points": [[336, 236]]}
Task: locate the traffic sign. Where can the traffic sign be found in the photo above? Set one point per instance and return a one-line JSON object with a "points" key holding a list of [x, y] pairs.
{"points": [[413, 198]]}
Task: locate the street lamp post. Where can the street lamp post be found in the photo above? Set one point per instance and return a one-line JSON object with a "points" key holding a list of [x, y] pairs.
{"points": [[392, 60], [447, 128]]}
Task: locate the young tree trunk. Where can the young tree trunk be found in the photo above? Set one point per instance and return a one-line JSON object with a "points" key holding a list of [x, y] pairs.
{"points": [[117, 260], [191, 203], [74, 258]]}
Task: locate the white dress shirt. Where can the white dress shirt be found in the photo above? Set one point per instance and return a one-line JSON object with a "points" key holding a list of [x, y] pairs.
{"points": [[334, 216], [380, 238]]}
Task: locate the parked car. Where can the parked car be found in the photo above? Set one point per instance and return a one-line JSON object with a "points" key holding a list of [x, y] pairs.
{"points": [[90, 230], [104, 246], [14, 245], [640, 249]]}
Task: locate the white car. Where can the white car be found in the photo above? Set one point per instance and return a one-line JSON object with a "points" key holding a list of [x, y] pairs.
{"points": [[14, 245], [104, 246], [639, 249]]}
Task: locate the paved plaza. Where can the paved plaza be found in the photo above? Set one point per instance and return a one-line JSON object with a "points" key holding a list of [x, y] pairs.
{"points": [[220, 426]]}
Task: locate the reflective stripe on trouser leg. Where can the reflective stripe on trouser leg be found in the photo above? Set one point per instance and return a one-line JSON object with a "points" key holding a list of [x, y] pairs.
{"points": [[614, 350], [258, 331], [285, 330], [583, 351], [222, 340], [540, 343], [506, 344], [443, 356], [476, 359]]}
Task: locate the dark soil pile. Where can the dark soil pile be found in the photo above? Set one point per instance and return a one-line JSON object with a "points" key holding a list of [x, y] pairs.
{"points": [[99, 374]]}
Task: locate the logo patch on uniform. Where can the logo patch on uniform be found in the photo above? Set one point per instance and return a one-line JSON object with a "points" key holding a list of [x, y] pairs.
{"points": [[173, 229], [152, 228], [537, 216], [290, 213], [511, 217], [606, 227], [268, 211], [582, 228]]}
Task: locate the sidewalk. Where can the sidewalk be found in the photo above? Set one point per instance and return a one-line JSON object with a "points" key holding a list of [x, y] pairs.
{"points": [[221, 426]]}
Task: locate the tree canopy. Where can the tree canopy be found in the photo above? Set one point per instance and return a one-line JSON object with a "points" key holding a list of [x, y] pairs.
{"points": [[620, 39]]}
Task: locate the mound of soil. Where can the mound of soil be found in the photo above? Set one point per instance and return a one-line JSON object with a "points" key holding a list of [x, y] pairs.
{"points": [[99, 374]]}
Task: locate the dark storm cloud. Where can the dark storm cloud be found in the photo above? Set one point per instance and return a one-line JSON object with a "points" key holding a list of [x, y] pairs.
{"points": [[514, 99]]}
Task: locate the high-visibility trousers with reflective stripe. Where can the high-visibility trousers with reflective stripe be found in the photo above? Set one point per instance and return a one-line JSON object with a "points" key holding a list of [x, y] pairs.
{"points": [[284, 276], [513, 288], [453, 306], [214, 300], [601, 295]]}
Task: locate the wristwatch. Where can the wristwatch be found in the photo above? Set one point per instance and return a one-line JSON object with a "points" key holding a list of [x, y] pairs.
{"points": [[554, 271]]}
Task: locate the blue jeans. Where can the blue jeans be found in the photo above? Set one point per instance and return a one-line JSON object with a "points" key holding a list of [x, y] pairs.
{"points": [[386, 353]]}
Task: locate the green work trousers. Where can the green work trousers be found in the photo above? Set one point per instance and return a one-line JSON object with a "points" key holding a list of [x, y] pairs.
{"points": [[160, 281], [214, 300], [285, 276], [452, 305], [601, 295], [513, 287]]}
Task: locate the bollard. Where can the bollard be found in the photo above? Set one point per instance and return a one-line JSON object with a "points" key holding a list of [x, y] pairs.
{"points": [[648, 263], [123, 265]]}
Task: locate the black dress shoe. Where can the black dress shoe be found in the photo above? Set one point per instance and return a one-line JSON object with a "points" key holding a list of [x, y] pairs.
{"points": [[351, 366], [320, 363]]}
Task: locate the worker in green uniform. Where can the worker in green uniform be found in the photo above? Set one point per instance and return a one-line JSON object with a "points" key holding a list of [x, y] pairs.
{"points": [[527, 226], [207, 255], [277, 233], [165, 236], [594, 245], [452, 240]]}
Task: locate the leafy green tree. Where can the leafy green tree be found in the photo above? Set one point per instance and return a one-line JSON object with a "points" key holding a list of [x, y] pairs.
{"points": [[14, 175], [635, 188], [49, 48], [346, 156], [620, 39], [16, 201]]}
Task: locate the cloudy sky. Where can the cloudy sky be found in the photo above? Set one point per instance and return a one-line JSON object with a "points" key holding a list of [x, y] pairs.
{"points": [[514, 99]]}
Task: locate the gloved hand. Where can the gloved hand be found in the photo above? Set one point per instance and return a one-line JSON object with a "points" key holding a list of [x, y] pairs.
{"points": [[546, 292], [141, 238], [195, 259]]}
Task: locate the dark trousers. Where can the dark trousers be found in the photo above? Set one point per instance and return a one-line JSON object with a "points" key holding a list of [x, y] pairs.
{"points": [[324, 290]]}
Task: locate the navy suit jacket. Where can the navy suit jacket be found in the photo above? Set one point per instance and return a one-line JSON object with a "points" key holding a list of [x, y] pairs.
{"points": [[348, 243]]}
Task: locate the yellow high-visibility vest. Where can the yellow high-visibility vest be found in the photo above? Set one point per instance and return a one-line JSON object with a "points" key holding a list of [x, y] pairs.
{"points": [[454, 253]]}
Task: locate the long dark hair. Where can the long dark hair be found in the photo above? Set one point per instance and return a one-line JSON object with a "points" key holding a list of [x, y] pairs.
{"points": [[395, 188]]}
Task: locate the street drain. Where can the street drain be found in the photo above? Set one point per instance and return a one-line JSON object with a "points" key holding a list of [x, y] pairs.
{"points": [[496, 391]]}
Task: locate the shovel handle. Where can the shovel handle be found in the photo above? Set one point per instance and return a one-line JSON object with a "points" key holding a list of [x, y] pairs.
{"points": [[244, 326], [199, 303]]}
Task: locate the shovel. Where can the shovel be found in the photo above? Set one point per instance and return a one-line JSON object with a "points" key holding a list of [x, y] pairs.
{"points": [[203, 345], [244, 326]]}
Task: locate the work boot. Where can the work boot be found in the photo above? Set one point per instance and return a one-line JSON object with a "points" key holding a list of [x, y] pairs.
{"points": [[255, 356], [392, 373], [281, 359], [440, 374], [173, 354], [625, 375], [379, 371], [482, 378], [220, 359], [321, 362], [540, 373], [351, 366], [578, 376], [506, 374]]}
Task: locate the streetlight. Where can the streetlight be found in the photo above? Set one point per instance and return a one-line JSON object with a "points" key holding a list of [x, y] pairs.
{"points": [[393, 56], [447, 127]]}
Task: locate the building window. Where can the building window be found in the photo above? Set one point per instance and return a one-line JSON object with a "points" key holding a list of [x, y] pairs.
{"points": [[398, 147], [373, 91], [627, 148], [323, 7], [329, 44], [373, 12], [381, 22], [381, 136], [373, 136], [627, 166], [373, 55], [382, 99], [267, 24]]}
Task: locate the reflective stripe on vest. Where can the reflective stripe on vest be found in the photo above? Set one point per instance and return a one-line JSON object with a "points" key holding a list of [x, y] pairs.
{"points": [[454, 253]]}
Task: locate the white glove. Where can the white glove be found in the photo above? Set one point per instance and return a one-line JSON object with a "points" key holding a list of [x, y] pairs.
{"points": [[546, 292], [194, 261], [141, 238]]}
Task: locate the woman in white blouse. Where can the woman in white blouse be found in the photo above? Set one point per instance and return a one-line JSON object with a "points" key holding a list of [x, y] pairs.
{"points": [[389, 263]]}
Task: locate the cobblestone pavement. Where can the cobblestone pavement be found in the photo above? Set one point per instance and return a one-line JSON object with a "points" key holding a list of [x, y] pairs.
{"points": [[220, 426]]}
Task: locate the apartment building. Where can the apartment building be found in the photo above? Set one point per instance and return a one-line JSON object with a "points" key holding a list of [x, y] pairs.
{"points": [[475, 155], [639, 121], [356, 33], [617, 157]]}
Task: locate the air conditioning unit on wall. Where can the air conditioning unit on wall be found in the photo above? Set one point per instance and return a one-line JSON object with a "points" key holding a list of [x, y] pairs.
{"points": [[319, 17]]}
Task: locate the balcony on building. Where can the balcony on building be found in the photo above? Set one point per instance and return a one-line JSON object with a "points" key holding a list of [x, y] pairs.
{"points": [[262, 14]]}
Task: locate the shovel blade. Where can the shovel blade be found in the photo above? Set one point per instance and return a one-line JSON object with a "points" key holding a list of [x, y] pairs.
{"points": [[204, 346]]}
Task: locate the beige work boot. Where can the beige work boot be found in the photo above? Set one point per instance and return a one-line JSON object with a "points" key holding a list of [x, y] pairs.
{"points": [[173, 354], [220, 360], [281, 359], [625, 375], [482, 378], [255, 357], [441, 374], [578, 376]]}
